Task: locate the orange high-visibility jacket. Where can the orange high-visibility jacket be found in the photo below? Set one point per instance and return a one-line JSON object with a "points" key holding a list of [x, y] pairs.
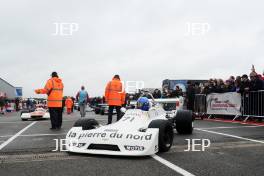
{"points": [[68, 103], [54, 90], [114, 93]]}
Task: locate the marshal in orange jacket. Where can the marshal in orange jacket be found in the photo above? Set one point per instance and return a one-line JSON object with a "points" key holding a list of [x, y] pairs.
{"points": [[54, 90], [114, 93], [68, 103]]}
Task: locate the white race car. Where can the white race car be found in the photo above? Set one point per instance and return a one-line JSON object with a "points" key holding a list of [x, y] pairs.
{"points": [[137, 133], [38, 113]]}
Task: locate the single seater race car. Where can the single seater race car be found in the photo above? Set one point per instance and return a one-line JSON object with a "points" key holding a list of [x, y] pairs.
{"points": [[137, 133], [38, 113]]}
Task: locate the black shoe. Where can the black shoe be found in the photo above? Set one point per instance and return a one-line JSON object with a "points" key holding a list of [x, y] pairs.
{"points": [[52, 128]]}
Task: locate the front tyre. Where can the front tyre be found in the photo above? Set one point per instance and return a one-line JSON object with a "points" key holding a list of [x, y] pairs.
{"points": [[86, 123], [165, 134], [184, 122]]}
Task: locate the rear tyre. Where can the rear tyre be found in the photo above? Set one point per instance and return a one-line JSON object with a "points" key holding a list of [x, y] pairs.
{"points": [[86, 124], [24, 119], [184, 122], [96, 111], [165, 134], [102, 112]]}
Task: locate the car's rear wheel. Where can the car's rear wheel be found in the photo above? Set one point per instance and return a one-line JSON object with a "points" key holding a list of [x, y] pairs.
{"points": [[102, 111], [86, 124], [184, 122], [96, 110], [24, 119], [165, 134]]}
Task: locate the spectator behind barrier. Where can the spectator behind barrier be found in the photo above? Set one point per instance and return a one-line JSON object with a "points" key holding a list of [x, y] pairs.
{"points": [[255, 82]]}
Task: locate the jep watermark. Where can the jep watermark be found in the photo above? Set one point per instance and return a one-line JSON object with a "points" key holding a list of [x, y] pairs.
{"points": [[132, 86], [65, 29], [197, 145], [197, 29]]}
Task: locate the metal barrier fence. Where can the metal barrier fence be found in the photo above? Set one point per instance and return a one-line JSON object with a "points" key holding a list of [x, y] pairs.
{"points": [[252, 104]]}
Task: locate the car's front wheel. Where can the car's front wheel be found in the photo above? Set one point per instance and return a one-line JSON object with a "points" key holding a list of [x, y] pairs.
{"points": [[184, 122], [165, 134], [86, 123]]}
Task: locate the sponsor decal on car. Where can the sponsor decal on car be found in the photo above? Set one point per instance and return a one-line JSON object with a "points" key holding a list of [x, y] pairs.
{"points": [[72, 135], [115, 135], [80, 145], [134, 148]]}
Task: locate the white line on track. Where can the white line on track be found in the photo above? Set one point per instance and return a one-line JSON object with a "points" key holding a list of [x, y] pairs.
{"points": [[16, 135], [228, 127], [48, 121], [9, 122], [35, 135], [233, 136], [172, 166], [6, 136]]}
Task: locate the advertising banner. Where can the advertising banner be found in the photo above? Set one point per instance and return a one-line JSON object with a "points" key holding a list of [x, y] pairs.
{"points": [[19, 92], [224, 103]]}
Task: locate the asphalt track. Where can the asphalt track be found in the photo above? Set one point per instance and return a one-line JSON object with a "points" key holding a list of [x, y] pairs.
{"points": [[236, 149]]}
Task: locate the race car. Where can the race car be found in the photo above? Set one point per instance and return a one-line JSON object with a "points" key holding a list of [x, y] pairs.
{"points": [[38, 113], [76, 106], [97, 108], [137, 133], [89, 108]]}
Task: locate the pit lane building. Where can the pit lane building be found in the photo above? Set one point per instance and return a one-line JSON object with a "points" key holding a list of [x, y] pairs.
{"points": [[9, 91]]}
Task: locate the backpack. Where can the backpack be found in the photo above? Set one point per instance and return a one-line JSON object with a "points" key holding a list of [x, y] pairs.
{"points": [[82, 97]]}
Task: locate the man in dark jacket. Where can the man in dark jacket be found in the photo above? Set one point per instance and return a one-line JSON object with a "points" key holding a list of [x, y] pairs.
{"points": [[255, 101], [244, 90], [190, 96], [255, 82], [245, 84], [157, 93]]}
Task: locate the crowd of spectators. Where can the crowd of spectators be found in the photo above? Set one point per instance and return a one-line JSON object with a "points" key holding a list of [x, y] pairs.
{"points": [[7, 105], [240, 84]]}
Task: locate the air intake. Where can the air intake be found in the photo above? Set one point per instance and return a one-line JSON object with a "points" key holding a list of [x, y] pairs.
{"points": [[104, 147]]}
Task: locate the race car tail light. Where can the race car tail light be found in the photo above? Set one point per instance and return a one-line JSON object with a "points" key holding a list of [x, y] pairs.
{"points": [[104, 147]]}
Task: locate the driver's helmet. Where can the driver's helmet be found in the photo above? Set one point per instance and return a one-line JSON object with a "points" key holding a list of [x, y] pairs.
{"points": [[143, 104]]}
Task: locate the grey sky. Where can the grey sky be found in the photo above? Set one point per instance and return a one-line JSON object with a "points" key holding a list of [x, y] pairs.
{"points": [[141, 40]]}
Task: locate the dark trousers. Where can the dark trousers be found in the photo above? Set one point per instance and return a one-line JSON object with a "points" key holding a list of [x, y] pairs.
{"points": [[55, 117], [110, 113]]}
